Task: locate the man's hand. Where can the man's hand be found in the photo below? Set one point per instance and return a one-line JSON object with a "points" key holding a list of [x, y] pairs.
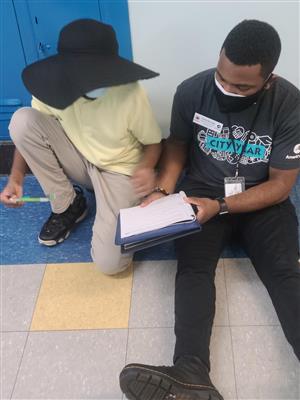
{"points": [[207, 208], [143, 180], [12, 191]]}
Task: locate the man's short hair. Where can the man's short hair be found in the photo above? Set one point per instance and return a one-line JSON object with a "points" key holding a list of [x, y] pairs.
{"points": [[253, 42]]}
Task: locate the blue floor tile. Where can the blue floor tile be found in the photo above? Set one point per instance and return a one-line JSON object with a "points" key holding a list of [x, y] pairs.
{"points": [[19, 229]]}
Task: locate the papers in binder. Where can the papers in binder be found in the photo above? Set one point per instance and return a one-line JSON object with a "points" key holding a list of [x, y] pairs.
{"points": [[164, 219]]}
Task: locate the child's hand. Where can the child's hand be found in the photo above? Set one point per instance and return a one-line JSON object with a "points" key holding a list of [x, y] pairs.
{"points": [[151, 197], [12, 191], [143, 181]]}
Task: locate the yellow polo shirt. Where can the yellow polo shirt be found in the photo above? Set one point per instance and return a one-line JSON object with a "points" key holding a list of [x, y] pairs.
{"points": [[109, 131]]}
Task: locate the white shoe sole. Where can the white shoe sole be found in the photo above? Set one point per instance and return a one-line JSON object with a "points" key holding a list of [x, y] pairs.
{"points": [[51, 243]]}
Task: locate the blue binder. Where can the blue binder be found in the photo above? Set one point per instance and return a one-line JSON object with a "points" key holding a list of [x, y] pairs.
{"points": [[152, 238]]}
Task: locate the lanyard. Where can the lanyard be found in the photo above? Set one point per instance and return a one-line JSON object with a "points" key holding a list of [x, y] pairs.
{"points": [[231, 137]]}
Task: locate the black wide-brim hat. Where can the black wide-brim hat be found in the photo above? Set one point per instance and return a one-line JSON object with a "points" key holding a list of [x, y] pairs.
{"points": [[87, 59]]}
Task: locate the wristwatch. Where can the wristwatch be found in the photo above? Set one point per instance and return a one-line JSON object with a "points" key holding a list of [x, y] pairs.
{"points": [[223, 206], [160, 190]]}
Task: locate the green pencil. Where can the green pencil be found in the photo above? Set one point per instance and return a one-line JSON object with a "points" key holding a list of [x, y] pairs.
{"points": [[28, 199]]}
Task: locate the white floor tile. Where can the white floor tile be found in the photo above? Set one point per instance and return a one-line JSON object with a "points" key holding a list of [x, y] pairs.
{"points": [[152, 302], [20, 286], [155, 347], [265, 365], [72, 365], [12, 347], [248, 300]]}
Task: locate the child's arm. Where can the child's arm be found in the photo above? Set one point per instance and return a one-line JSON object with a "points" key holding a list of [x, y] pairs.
{"points": [[144, 176], [14, 186]]}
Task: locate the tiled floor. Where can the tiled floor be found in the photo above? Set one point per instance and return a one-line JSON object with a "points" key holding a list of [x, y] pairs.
{"points": [[67, 330]]}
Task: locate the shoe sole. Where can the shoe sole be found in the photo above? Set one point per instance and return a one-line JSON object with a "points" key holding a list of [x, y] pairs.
{"points": [[146, 384], [51, 243]]}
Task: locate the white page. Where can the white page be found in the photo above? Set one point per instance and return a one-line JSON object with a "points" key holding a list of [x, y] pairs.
{"points": [[158, 214]]}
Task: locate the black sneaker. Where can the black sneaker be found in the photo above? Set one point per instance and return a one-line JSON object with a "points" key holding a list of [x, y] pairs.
{"points": [[188, 379], [58, 226]]}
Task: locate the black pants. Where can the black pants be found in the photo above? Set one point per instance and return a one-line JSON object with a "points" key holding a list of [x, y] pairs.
{"points": [[270, 239]]}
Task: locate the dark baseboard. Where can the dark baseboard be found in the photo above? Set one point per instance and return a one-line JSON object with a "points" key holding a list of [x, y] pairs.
{"points": [[7, 149], [6, 156]]}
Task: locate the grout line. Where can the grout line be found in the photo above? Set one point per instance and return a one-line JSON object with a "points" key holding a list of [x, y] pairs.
{"points": [[26, 341], [226, 292], [130, 304], [129, 315], [230, 330], [136, 328], [19, 366], [38, 295]]}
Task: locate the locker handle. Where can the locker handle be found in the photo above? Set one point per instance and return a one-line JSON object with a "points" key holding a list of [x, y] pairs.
{"points": [[10, 102], [44, 47]]}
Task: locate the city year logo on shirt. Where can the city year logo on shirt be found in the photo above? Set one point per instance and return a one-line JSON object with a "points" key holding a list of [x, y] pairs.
{"points": [[233, 148]]}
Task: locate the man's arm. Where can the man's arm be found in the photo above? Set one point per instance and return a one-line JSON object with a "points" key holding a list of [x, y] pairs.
{"points": [[266, 194], [274, 191], [14, 187]]}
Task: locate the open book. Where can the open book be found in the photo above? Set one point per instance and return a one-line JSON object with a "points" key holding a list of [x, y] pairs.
{"points": [[164, 219]]}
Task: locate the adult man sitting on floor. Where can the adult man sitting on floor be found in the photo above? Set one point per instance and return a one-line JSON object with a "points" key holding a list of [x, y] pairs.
{"points": [[238, 127]]}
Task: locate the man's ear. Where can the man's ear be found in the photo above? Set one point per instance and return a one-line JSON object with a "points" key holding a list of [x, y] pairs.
{"points": [[270, 81]]}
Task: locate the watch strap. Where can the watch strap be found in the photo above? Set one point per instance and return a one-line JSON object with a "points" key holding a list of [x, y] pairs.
{"points": [[160, 190], [223, 206]]}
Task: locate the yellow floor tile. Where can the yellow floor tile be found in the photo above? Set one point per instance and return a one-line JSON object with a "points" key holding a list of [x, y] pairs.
{"points": [[78, 296]]}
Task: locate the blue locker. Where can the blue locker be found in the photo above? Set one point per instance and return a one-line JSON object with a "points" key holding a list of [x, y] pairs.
{"points": [[12, 60], [115, 13], [29, 32], [46, 18]]}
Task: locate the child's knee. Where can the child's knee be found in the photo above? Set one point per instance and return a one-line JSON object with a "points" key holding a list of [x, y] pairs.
{"points": [[21, 123], [110, 264]]}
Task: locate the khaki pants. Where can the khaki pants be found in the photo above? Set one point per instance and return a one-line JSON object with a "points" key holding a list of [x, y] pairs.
{"points": [[56, 162]]}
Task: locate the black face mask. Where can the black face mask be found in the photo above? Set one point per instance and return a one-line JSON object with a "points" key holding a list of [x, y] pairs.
{"points": [[236, 104]]}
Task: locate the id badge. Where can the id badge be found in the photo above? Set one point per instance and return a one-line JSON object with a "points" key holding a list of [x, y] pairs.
{"points": [[234, 185]]}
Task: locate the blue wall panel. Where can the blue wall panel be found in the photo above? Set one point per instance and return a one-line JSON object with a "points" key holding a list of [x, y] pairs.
{"points": [[115, 13], [48, 17], [12, 92]]}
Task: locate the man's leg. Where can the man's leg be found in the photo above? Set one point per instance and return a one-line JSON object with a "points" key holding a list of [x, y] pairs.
{"points": [[198, 255], [195, 292], [113, 191], [53, 160], [271, 241]]}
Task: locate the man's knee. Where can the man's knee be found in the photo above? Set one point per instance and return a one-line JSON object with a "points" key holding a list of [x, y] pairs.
{"points": [[110, 263], [21, 123]]}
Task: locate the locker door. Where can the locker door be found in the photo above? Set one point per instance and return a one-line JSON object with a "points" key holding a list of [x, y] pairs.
{"points": [[12, 92], [46, 18], [115, 13]]}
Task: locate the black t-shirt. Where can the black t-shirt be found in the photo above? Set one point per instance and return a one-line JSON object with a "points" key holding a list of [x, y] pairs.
{"points": [[274, 140]]}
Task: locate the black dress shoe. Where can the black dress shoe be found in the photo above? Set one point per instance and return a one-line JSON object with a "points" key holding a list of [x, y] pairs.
{"points": [[188, 379]]}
